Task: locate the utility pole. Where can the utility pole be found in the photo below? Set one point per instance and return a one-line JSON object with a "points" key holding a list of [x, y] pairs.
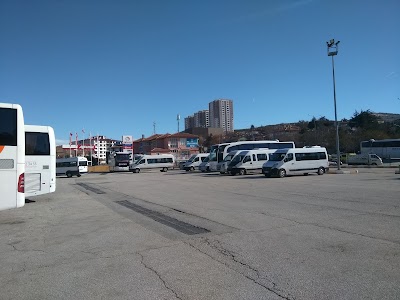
{"points": [[332, 51]]}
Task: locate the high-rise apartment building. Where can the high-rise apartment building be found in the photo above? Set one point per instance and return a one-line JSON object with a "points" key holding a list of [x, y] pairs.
{"points": [[221, 114], [201, 119], [189, 122]]}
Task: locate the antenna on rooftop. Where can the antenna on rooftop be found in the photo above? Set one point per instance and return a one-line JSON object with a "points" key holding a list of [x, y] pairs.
{"points": [[178, 117], [154, 127]]}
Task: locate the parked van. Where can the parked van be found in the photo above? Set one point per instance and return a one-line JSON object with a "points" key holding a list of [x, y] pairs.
{"points": [[296, 161], [162, 161], [71, 166], [205, 165], [249, 161], [364, 159], [222, 166], [194, 161]]}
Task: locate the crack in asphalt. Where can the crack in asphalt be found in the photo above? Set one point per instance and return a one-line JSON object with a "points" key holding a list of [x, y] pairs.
{"points": [[25, 250], [158, 275], [233, 258], [331, 228]]}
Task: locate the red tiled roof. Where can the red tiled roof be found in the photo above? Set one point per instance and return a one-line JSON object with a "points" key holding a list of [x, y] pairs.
{"points": [[166, 135]]}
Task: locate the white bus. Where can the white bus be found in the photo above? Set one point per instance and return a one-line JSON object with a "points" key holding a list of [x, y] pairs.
{"points": [[40, 160], [220, 151], [118, 161], [296, 161], [160, 161], [72, 166], [388, 149], [12, 156]]}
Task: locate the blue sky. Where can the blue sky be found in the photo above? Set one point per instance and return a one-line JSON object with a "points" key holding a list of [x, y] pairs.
{"points": [[115, 67]]}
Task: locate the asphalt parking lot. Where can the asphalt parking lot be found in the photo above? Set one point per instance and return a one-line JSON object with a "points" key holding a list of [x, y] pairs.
{"points": [[191, 235]]}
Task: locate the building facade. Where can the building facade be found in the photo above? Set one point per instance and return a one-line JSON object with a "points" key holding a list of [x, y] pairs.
{"points": [[96, 147], [182, 145], [221, 114], [189, 122], [201, 119]]}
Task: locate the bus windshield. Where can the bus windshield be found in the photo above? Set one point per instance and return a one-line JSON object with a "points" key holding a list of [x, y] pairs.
{"points": [[122, 157], [213, 153], [220, 152]]}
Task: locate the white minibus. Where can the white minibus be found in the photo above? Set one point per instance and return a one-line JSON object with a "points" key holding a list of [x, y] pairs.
{"points": [[162, 161], [194, 161], [12, 156], [205, 165], [40, 160], [222, 166], [249, 161], [72, 166], [296, 161]]}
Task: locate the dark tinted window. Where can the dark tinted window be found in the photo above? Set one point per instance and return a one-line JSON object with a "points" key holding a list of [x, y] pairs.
{"points": [[8, 127], [37, 143]]}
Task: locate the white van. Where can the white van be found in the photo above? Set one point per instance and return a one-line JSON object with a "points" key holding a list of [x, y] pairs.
{"points": [[249, 161], [222, 166], [194, 161], [71, 166], [162, 161], [296, 161], [205, 165]]}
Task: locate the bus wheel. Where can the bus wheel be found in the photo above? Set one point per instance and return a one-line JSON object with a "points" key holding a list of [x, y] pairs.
{"points": [[321, 171], [69, 174], [242, 172], [282, 173]]}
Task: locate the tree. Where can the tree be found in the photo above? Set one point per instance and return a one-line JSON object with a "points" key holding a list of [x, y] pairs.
{"points": [[364, 120]]}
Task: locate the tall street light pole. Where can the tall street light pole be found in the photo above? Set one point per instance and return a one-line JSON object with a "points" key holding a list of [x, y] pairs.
{"points": [[332, 51]]}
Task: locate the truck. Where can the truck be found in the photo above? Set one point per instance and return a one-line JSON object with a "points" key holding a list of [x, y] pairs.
{"points": [[364, 159]]}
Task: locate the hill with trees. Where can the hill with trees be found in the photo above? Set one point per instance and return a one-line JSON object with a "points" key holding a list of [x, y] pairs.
{"points": [[362, 126]]}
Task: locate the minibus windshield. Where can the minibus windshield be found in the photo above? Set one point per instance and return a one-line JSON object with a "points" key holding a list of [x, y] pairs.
{"points": [[277, 156]]}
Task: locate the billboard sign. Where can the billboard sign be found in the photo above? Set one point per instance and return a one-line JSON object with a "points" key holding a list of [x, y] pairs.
{"points": [[127, 143], [192, 142]]}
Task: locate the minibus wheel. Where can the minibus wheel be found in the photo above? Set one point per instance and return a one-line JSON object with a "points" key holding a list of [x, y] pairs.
{"points": [[282, 173], [79, 175], [321, 171], [191, 168], [242, 172], [137, 171]]}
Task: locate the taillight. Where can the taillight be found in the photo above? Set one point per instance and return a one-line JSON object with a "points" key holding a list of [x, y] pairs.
{"points": [[21, 183]]}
